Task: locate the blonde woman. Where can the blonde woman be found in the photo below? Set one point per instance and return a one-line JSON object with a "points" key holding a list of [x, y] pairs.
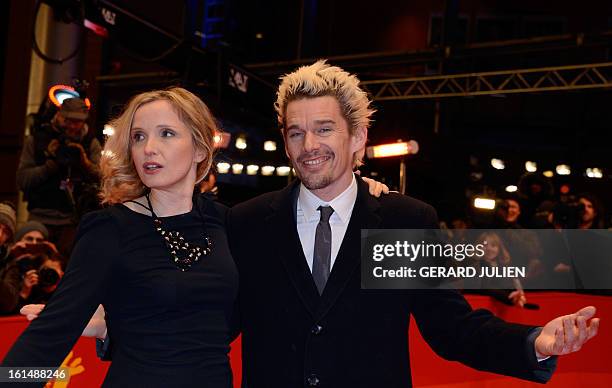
{"points": [[496, 255], [157, 258]]}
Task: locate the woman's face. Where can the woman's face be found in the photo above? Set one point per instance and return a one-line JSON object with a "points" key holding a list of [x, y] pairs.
{"points": [[491, 250], [162, 148]]}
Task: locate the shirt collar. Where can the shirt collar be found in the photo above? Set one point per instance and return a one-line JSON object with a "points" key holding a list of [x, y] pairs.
{"points": [[343, 204]]}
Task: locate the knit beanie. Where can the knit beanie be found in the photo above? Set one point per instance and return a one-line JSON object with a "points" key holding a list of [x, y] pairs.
{"points": [[31, 226], [8, 216]]}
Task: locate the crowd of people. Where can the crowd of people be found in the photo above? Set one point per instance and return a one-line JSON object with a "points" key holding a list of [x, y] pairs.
{"points": [[58, 173], [31, 266], [521, 232], [179, 276]]}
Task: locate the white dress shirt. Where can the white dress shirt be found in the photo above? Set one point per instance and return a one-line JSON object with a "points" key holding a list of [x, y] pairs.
{"points": [[308, 217]]}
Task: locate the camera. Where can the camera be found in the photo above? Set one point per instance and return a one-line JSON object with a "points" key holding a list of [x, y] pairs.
{"points": [[67, 155], [568, 214], [502, 205], [501, 210], [34, 257], [47, 276]]}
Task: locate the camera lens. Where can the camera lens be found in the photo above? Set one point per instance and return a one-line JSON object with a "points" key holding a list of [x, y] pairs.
{"points": [[47, 277]]}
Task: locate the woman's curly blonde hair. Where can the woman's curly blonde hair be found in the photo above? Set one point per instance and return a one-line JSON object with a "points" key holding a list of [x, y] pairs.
{"points": [[120, 180]]}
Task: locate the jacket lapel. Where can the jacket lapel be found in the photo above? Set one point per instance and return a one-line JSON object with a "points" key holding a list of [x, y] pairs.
{"points": [[347, 264], [290, 253]]}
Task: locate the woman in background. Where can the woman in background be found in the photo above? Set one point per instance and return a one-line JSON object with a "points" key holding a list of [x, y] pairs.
{"points": [[496, 255]]}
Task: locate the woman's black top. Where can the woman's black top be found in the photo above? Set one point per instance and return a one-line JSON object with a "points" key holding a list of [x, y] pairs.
{"points": [[168, 327]]}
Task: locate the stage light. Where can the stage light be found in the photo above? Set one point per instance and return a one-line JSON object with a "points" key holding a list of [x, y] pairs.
{"points": [[283, 170], [594, 173], [59, 93], [484, 203], [399, 148], [241, 143], [563, 169], [108, 130], [548, 174], [392, 149], [63, 95], [498, 164], [511, 188], [223, 167], [564, 189], [270, 145], [222, 139], [267, 170], [531, 166], [252, 169], [237, 168], [387, 150]]}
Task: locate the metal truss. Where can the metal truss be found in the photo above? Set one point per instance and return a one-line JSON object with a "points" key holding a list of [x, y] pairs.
{"points": [[546, 79]]}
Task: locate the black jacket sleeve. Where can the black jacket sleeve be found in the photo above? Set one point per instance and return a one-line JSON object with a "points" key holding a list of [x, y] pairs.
{"points": [[474, 337], [235, 324]]}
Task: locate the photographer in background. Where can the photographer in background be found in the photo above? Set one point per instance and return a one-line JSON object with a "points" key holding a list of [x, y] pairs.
{"points": [[585, 212], [509, 211], [32, 232], [522, 244], [592, 214], [58, 172], [30, 277]]}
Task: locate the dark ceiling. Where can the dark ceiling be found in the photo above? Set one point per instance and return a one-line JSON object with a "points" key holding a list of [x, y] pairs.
{"points": [[263, 39]]}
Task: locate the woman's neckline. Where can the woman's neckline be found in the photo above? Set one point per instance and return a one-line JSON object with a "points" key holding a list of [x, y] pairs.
{"points": [[147, 213]]}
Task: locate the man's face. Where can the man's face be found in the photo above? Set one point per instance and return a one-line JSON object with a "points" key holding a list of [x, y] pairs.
{"points": [[514, 211], [72, 128], [320, 146], [589, 211], [33, 237]]}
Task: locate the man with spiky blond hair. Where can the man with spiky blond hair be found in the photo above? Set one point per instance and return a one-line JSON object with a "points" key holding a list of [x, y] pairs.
{"points": [[305, 319]]}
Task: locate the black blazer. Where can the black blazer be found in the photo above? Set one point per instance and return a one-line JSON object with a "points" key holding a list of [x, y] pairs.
{"points": [[348, 337]]}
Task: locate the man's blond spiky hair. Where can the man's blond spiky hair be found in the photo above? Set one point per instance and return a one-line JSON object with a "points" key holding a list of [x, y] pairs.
{"points": [[321, 79]]}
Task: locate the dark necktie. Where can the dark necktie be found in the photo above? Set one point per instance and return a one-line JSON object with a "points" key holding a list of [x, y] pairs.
{"points": [[321, 263]]}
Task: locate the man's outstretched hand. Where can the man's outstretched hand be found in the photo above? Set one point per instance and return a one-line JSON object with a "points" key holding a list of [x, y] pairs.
{"points": [[567, 334]]}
